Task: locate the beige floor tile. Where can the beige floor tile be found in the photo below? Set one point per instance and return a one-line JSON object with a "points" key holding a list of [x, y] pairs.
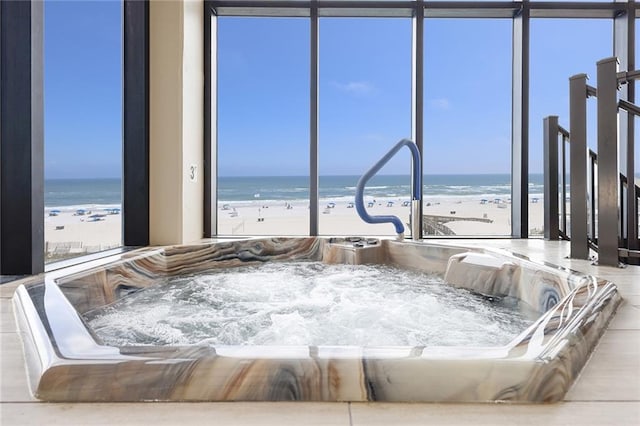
{"points": [[157, 414], [627, 289], [7, 322], [13, 376], [576, 413], [7, 290], [627, 317], [611, 374], [633, 300]]}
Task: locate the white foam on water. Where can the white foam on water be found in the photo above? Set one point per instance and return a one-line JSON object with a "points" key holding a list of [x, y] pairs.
{"points": [[307, 303]]}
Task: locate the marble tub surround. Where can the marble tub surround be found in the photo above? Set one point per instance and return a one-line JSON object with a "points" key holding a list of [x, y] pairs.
{"points": [[97, 287], [538, 286], [66, 362]]}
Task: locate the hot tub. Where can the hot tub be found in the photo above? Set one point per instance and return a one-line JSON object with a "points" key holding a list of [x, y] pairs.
{"points": [[67, 360]]}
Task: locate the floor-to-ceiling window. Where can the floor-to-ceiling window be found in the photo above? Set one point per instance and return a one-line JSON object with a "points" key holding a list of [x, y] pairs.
{"points": [[364, 109], [263, 126], [467, 127], [83, 23], [484, 66], [82, 127], [553, 61]]}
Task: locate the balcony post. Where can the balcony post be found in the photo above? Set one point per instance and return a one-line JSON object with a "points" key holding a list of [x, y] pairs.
{"points": [[578, 160], [608, 163], [550, 149]]}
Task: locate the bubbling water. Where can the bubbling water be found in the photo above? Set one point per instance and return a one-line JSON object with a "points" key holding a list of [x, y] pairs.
{"points": [[308, 303]]}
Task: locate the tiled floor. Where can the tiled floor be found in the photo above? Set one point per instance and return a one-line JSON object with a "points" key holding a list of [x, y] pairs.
{"points": [[606, 393]]}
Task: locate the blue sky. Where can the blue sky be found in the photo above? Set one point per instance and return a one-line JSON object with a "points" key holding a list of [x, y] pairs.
{"points": [[365, 97], [563, 48], [82, 89]]}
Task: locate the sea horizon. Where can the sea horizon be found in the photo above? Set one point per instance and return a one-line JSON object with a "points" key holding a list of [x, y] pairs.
{"points": [[75, 193]]}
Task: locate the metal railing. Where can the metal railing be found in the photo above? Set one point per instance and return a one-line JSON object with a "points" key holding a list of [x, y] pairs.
{"points": [[602, 215], [626, 192], [592, 197], [555, 176], [416, 185], [582, 214]]}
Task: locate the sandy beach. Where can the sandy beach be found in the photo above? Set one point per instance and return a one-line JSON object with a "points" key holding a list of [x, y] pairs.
{"points": [[340, 218], [68, 233]]}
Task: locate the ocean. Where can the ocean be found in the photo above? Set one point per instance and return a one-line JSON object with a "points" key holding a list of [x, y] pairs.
{"points": [[77, 193], [107, 193], [340, 188]]}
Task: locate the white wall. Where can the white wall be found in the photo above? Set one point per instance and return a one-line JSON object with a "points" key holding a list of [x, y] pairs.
{"points": [[176, 121]]}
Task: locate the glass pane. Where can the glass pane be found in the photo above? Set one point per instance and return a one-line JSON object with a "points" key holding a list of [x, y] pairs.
{"points": [[559, 50], [467, 127], [365, 109], [83, 127], [263, 126]]}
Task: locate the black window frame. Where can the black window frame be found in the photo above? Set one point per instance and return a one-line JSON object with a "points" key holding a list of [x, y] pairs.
{"points": [[22, 140]]}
